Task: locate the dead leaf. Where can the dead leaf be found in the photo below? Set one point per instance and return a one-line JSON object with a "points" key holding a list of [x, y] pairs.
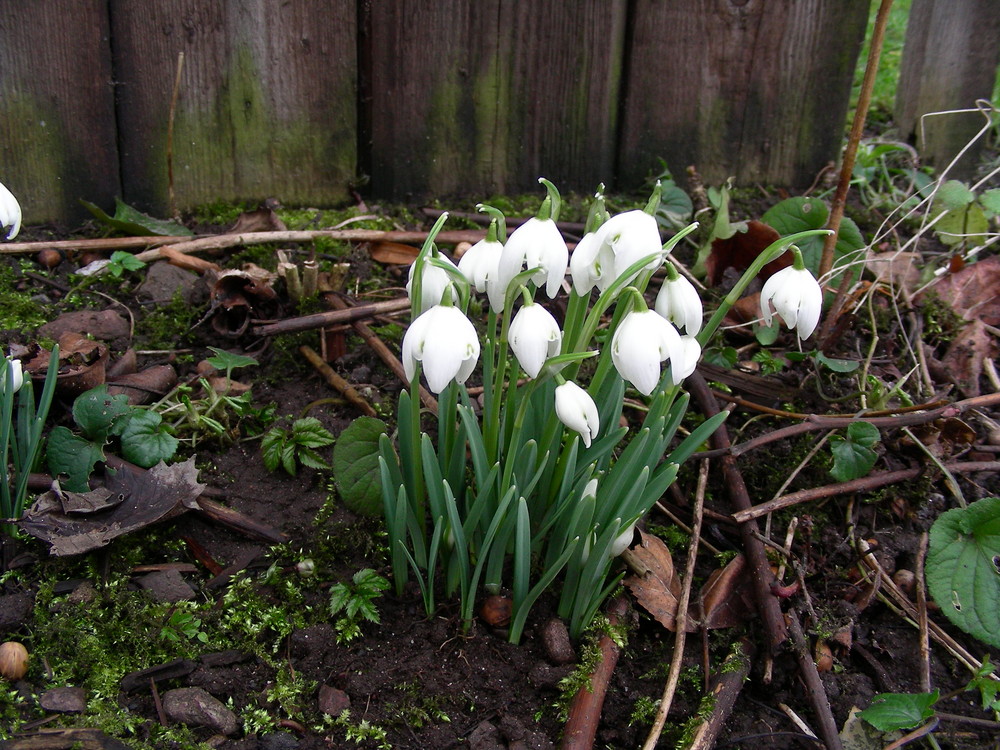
{"points": [[393, 253], [82, 363], [963, 361], [105, 325], [898, 269], [262, 219], [147, 497], [151, 384], [659, 590], [726, 597], [742, 249]]}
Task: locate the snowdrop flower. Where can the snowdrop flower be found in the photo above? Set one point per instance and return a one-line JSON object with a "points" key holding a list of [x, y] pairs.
{"points": [[624, 540], [536, 243], [683, 366], [625, 239], [479, 264], [10, 212], [577, 410], [534, 337], [445, 343], [587, 269], [434, 282], [796, 297], [679, 302], [14, 369], [641, 342]]}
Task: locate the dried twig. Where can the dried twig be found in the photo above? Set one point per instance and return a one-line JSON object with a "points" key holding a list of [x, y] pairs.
{"points": [[865, 484], [814, 685], [330, 318], [680, 632], [925, 649], [337, 382], [725, 689], [767, 604]]}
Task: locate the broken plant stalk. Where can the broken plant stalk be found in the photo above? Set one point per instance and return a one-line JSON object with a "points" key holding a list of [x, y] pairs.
{"points": [[680, 633]]}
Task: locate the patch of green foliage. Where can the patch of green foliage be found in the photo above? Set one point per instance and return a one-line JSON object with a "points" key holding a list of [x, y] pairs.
{"points": [[166, 326], [355, 603], [415, 708], [288, 448]]}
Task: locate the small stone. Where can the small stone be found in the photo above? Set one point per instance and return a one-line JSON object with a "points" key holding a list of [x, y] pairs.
{"points": [[544, 675], [555, 638], [64, 700], [196, 707], [333, 702], [167, 586], [164, 280], [486, 737]]}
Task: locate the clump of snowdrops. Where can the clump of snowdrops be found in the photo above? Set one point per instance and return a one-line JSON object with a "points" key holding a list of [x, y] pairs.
{"points": [[538, 484]]}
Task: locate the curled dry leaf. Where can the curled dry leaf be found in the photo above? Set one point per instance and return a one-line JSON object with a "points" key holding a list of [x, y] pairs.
{"points": [[393, 253], [150, 384], [741, 249]]}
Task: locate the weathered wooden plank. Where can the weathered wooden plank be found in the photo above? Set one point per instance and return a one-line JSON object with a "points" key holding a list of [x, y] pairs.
{"points": [[486, 97], [266, 106], [950, 60], [57, 134], [758, 90]]}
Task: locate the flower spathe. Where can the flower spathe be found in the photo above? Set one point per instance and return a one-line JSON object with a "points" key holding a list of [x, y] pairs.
{"points": [[10, 212], [577, 410], [445, 343], [623, 541], [795, 295], [644, 340], [678, 301], [434, 282], [534, 337], [537, 243]]}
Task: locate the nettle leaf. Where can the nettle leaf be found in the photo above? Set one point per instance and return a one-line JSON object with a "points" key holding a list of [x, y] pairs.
{"points": [[891, 711], [96, 411], [271, 446], [355, 465], [963, 568], [853, 456], [71, 458], [145, 439]]}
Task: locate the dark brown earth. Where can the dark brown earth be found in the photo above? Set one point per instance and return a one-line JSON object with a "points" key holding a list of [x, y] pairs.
{"points": [[431, 686]]}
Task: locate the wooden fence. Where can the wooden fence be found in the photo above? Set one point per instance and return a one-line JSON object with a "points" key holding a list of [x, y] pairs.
{"points": [[301, 99]]}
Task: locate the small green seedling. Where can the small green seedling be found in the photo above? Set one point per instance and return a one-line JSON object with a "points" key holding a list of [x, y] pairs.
{"points": [[356, 602], [121, 262], [229, 361], [289, 448], [853, 455]]}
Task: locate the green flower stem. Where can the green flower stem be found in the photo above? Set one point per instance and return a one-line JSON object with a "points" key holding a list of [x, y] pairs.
{"points": [[421, 259], [772, 251]]}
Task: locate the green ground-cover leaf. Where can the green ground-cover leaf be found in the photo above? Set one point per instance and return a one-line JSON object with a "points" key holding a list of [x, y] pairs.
{"points": [[129, 220], [355, 465], [145, 439], [853, 456], [891, 711], [963, 568], [71, 458]]}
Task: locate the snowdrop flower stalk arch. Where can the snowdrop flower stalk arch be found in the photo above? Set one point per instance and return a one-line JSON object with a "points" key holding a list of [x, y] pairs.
{"points": [[538, 485]]}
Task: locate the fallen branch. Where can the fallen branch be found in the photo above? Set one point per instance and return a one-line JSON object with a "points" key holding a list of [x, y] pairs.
{"points": [[865, 484], [330, 318], [246, 239], [818, 698], [726, 688], [337, 382], [103, 243], [768, 606], [585, 711]]}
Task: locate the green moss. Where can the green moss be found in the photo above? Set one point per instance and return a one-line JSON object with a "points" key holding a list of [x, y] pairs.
{"points": [[167, 326], [18, 311]]}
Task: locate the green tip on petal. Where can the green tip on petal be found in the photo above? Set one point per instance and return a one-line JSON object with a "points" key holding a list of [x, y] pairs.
{"points": [[499, 219], [555, 201], [598, 214], [797, 263]]}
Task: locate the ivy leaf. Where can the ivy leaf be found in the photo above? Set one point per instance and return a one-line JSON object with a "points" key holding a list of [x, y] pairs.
{"points": [[355, 465], [853, 456], [95, 411], [963, 568], [892, 711], [72, 457], [146, 440]]}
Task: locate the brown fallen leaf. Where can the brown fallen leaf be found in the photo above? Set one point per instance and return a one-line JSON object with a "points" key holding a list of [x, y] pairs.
{"points": [[900, 270], [659, 590], [726, 597], [262, 219], [150, 384], [82, 363], [104, 324], [393, 253], [140, 499], [741, 249]]}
